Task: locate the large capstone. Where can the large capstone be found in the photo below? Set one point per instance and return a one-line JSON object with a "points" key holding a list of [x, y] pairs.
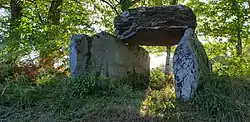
{"points": [[108, 56], [154, 26], [191, 65]]}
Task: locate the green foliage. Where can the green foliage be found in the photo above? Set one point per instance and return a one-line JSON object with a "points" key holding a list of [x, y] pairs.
{"points": [[220, 98], [158, 80], [87, 97], [159, 102], [46, 79], [5, 72], [226, 63], [226, 20], [19, 95], [10, 73], [233, 66], [224, 26], [82, 85]]}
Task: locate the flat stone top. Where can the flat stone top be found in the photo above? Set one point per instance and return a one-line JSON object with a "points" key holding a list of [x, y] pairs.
{"points": [[155, 26]]}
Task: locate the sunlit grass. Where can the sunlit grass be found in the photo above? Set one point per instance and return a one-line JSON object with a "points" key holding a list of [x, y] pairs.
{"points": [[158, 102], [220, 98]]}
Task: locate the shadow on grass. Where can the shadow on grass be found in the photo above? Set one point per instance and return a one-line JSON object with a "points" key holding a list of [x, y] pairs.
{"points": [[218, 99]]}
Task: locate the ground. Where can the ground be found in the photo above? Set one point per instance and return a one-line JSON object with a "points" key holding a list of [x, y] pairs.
{"points": [[220, 99]]}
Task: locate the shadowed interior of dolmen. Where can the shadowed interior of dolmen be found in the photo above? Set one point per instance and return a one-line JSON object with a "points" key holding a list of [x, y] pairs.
{"points": [[156, 37]]}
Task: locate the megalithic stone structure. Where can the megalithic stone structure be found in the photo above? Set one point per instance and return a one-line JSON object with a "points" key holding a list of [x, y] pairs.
{"points": [[108, 56], [191, 65], [167, 26], [79, 51], [154, 26]]}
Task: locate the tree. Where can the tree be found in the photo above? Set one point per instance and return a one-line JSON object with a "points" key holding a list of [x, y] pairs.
{"points": [[168, 49], [225, 25], [224, 19], [43, 27]]}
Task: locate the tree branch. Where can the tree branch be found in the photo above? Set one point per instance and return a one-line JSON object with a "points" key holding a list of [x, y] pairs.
{"points": [[4, 7], [111, 6], [78, 2], [39, 16], [135, 1], [54, 12]]}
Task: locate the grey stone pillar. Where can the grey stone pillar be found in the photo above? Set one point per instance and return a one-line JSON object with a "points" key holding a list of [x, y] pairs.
{"points": [[191, 65], [79, 54]]}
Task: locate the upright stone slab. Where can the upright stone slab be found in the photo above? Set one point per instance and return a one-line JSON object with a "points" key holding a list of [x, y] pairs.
{"points": [[108, 56], [79, 54], [191, 65], [115, 59]]}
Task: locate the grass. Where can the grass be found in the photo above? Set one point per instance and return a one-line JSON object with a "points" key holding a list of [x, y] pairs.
{"points": [[220, 98]]}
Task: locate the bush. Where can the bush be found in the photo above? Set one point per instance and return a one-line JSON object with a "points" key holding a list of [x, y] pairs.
{"points": [[158, 102], [5, 72], [19, 95], [160, 98], [81, 85], [158, 80]]}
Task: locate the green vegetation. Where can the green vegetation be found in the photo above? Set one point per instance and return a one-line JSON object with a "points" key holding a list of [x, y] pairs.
{"points": [[34, 36], [93, 99]]}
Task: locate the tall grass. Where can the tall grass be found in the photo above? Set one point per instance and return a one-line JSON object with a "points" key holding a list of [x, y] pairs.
{"points": [[91, 98]]}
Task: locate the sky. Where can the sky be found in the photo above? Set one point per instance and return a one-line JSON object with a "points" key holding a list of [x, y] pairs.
{"points": [[156, 61], [1, 12]]}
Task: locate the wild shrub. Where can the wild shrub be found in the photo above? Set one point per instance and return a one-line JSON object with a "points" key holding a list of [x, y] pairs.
{"points": [[160, 96], [19, 94], [5, 72], [158, 80], [81, 85], [85, 84], [158, 102]]}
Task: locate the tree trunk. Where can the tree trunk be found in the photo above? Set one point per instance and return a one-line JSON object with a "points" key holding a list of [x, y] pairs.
{"points": [[239, 23], [168, 48], [54, 12], [47, 60], [16, 15], [239, 44], [167, 65], [16, 9]]}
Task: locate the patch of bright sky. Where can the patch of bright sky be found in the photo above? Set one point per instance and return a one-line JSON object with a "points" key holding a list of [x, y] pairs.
{"points": [[204, 1], [246, 5], [2, 12], [156, 60]]}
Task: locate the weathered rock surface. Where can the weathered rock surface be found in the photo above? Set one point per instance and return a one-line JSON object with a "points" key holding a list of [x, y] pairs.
{"points": [[115, 58], [162, 25], [107, 55], [79, 54], [191, 65]]}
